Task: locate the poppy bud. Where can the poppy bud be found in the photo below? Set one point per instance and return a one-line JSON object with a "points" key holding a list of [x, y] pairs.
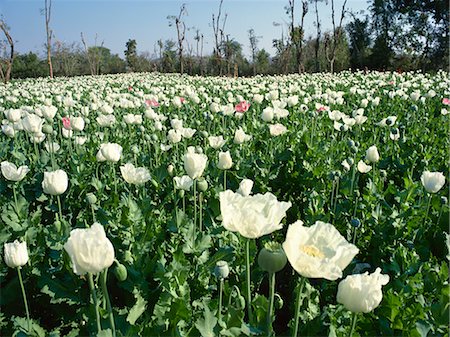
{"points": [[272, 257]]}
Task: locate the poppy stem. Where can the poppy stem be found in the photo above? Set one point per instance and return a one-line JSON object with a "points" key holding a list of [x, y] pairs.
{"points": [[24, 299], [297, 305], [271, 300], [16, 204], [224, 180], [195, 211], [108, 302], [94, 299], [354, 317], [220, 297], [249, 293], [200, 201], [58, 198], [430, 196]]}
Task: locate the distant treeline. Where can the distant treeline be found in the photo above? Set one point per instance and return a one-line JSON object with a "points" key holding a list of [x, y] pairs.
{"points": [[393, 35]]}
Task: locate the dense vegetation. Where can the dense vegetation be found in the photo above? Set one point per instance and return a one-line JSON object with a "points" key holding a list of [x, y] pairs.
{"points": [[392, 35], [351, 150]]}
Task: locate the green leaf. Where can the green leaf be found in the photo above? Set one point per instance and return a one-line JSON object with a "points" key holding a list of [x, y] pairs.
{"points": [[138, 308], [59, 290], [207, 324], [105, 333], [21, 326], [423, 328]]}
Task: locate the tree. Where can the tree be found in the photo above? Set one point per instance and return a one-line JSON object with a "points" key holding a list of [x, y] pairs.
{"points": [[8, 60], [48, 12], [383, 24], [232, 50], [262, 62], [93, 55], [199, 39], [253, 47], [219, 34], [169, 56], [297, 32], [28, 66], [131, 54], [318, 36], [181, 32], [331, 43], [283, 51], [359, 35], [67, 59]]}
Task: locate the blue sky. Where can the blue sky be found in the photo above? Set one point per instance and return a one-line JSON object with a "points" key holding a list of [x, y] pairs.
{"points": [[116, 21]]}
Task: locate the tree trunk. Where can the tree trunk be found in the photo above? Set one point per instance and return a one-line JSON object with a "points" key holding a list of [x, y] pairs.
{"points": [[7, 75], [48, 9]]}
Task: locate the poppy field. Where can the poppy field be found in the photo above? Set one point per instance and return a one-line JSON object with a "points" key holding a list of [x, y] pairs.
{"points": [[165, 205]]}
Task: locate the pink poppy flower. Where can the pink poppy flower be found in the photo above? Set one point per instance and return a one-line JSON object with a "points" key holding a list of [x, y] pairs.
{"points": [[446, 101], [242, 106], [322, 108], [182, 99], [152, 102], [130, 88], [66, 123]]}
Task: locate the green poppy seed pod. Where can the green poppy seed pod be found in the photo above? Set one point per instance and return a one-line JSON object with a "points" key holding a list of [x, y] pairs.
{"points": [[355, 223], [170, 170], [181, 193], [135, 149], [154, 183], [202, 184], [154, 137], [272, 257], [57, 225], [204, 134], [147, 137], [221, 271], [91, 198], [120, 271], [87, 121], [47, 129]]}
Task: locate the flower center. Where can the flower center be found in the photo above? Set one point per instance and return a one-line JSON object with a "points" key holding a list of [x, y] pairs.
{"points": [[312, 251]]}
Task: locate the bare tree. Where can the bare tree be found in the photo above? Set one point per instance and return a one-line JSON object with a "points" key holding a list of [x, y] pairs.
{"points": [[93, 55], [332, 43], [297, 32], [48, 12], [181, 32], [219, 36], [160, 46], [199, 54], [65, 58], [253, 47], [317, 43], [8, 60], [283, 49]]}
